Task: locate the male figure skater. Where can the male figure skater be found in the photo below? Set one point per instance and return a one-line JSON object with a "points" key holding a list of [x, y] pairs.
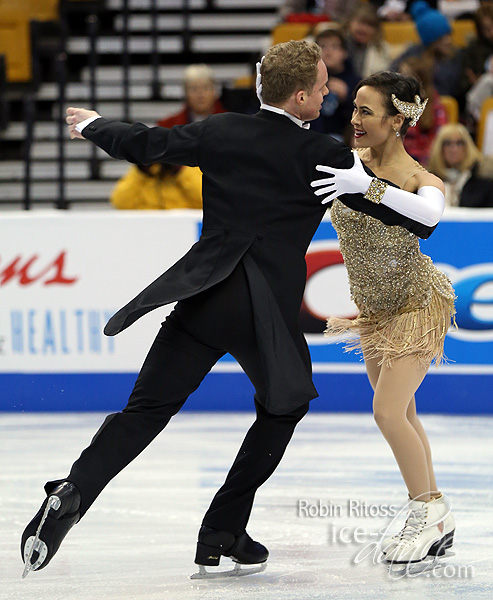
{"points": [[239, 290]]}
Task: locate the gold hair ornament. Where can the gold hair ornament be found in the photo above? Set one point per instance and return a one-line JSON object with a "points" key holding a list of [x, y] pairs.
{"points": [[411, 110]]}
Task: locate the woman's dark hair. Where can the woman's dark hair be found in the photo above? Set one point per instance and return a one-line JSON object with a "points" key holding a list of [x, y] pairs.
{"points": [[405, 87]]}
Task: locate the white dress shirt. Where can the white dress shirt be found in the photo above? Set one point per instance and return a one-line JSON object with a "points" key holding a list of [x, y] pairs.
{"points": [[280, 111]]}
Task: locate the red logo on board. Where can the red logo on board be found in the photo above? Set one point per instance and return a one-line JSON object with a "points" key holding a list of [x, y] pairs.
{"points": [[34, 269]]}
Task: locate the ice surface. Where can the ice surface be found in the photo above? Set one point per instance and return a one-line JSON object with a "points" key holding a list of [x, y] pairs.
{"points": [[138, 540]]}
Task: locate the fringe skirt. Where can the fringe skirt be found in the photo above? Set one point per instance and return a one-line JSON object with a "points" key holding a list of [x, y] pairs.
{"points": [[419, 333]]}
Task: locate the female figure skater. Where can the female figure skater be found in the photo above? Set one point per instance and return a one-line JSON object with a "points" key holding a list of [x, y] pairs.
{"points": [[405, 302]]}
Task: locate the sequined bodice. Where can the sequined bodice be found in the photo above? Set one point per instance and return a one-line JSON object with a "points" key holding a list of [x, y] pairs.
{"points": [[386, 269]]}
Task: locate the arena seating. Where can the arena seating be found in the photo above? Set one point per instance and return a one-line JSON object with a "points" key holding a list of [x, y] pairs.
{"points": [[229, 35], [226, 34], [401, 33], [452, 108], [15, 43]]}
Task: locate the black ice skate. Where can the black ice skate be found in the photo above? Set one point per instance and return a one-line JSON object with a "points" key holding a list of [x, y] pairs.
{"points": [[44, 534], [242, 550]]}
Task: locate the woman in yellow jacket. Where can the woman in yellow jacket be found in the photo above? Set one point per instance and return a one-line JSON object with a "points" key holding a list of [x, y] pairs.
{"points": [[159, 186]]}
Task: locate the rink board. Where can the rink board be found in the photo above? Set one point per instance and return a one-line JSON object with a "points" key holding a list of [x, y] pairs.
{"points": [[338, 392], [62, 275]]}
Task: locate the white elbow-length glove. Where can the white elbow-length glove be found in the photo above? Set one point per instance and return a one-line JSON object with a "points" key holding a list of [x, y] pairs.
{"points": [[426, 206]]}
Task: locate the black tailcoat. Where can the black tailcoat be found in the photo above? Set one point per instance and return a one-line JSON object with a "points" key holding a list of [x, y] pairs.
{"points": [[258, 208]]}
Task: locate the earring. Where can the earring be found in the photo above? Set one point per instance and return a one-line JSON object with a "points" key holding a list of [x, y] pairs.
{"points": [[397, 133]]}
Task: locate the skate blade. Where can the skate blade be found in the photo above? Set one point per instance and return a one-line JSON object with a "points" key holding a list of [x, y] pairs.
{"points": [[414, 568], [429, 557], [35, 544], [237, 571], [429, 563]]}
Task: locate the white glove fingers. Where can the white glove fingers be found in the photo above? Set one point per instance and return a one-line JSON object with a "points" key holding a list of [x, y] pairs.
{"points": [[258, 80], [325, 169], [319, 182], [325, 190]]}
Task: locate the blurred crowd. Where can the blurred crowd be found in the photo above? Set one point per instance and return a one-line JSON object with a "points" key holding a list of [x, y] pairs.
{"points": [[166, 186], [351, 36]]}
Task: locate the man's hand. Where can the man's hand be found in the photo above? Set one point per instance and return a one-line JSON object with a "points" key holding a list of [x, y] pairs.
{"points": [[258, 81], [76, 116]]}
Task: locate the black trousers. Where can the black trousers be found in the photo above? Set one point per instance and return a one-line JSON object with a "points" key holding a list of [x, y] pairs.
{"points": [[191, 340]]}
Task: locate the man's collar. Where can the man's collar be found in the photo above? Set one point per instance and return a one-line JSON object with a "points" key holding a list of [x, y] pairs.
{"points": [[281, 111]]}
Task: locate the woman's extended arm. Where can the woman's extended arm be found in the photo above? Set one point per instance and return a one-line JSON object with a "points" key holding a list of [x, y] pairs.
{"points": [[426, 206]]}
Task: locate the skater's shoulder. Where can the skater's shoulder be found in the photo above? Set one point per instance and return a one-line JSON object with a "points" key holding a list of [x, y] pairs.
{"points": [[229, 117]]}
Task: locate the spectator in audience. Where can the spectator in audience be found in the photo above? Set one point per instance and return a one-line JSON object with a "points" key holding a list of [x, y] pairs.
{"points": [[467, 175], [367, 49], [399, 10], [337, 106], [481, 89], [479, 49], [436, 43], [335, 10], [418, 140], [201, 97], [158, 187], [396, 10], [163, 186]]}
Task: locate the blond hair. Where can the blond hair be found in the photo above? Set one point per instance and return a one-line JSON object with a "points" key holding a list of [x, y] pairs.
{"points": [[436, 164], [288, 68], [197, 73]]}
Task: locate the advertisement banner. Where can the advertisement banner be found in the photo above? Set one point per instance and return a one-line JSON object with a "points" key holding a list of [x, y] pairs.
{"points": [[62, 275]]}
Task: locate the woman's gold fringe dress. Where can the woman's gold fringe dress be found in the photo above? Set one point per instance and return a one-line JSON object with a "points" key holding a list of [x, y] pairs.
{"points": [[406, 304]]}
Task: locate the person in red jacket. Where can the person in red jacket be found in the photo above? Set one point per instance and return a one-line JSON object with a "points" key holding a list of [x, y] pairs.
{"points": [[164, 186], [201, 97]]}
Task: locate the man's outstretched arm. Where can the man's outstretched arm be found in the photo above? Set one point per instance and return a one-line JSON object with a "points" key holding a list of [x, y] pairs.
{"points": [[136, 143]]}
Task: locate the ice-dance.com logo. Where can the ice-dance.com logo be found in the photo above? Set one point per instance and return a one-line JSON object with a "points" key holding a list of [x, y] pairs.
{"points": [[379, 546]]}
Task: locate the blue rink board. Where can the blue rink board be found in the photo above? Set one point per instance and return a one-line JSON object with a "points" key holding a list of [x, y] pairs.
{"points": [[339, 392]]}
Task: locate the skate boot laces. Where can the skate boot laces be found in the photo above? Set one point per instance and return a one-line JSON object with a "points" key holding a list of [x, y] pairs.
{"points": [[415, 523]]}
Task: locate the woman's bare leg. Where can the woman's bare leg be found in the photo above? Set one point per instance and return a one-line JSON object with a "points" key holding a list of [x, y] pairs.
{"points": [[412, 417], [372, 370], [394, 392]]}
